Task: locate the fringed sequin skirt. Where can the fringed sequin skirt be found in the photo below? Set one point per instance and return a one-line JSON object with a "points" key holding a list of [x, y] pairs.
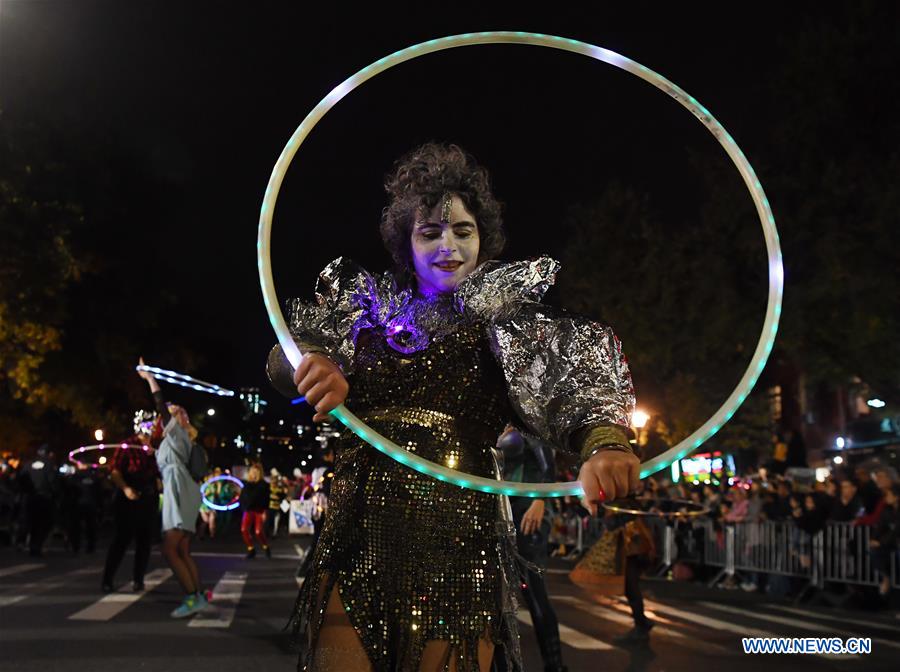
{"points": [[414, 560]]}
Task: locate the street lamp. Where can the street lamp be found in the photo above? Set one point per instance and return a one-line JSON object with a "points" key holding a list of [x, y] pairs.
{"points": [[211, 412], [98, 435], [639, 419]]}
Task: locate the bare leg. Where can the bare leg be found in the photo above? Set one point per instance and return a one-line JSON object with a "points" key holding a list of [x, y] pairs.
{"points": [[437, 652], [184, 550], [170, 549], [338, 647]]}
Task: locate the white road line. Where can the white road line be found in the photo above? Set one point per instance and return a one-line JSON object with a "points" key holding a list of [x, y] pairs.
{"points": [[29, 590], [300, 580], [707, 622], [796, 623], [595, 609], [575, 639], [115, 603], [610, 614], [226, 596], [18, 569], [838, 619], [300, 552]]}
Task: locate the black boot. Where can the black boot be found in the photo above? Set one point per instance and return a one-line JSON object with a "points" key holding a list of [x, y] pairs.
{"points": [[639, 634]]}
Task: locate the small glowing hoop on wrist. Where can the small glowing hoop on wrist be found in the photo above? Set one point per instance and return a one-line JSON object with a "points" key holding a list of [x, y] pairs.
{"points": [[233, 504], [74, 455], [185, 381], [385, 445]]}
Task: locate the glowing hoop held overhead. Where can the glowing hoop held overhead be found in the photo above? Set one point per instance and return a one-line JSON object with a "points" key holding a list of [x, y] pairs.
{"points": [[74, 455], [185, 380], [385, 445]]}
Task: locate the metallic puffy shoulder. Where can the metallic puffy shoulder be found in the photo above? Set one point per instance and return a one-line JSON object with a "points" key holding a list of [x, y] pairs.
{"points": [[330, 325], [565, 372], [496, 289]]}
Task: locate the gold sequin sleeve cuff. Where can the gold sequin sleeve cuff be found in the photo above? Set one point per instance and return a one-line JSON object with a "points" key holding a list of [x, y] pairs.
{"points": [[591, 440]]}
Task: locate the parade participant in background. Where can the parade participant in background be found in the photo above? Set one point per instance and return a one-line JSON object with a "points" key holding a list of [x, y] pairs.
{"points": [[526, 459], [254, 502], [410, 572], [639, 549], [207, 513], [136, 477], [277, 494], [320, 484], [40, 485], [181, 497], [82, 501]]}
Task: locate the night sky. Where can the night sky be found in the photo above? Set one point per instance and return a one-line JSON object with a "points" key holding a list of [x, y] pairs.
{"points": [[204, 97]]}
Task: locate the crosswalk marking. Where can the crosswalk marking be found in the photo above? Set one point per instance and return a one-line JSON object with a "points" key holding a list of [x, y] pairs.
{"points": [[709, 622], [115, 603], [27, 590], [796, 623], [226, 596], [716, 624], [838, 619], [18, 569], [570, 636], [610, 614]]}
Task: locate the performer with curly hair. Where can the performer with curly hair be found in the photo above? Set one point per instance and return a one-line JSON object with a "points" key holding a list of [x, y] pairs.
{"points": [[412, 573]]}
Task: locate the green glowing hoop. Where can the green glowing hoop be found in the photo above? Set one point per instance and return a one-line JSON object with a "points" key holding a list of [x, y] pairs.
{"points": [[385, 445]]}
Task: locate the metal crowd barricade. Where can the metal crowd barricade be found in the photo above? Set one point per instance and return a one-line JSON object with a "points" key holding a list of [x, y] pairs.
{"points": [[838, 553]]}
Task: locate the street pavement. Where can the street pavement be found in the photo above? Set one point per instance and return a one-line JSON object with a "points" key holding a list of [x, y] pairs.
{"points": [[53, 617]]}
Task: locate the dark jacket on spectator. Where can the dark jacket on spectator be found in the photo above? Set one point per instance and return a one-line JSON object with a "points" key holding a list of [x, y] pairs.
{"points": [[870, 496], [813, 522], [255, 496], [845, 513], [887, 527]]}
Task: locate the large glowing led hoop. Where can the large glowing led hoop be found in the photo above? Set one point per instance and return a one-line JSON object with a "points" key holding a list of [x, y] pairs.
{"points": [[233, 504], [776, 272], [75, 455], [185, 381]]}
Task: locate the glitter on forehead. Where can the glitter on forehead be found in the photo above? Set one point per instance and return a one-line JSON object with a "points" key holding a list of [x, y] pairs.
{"points": [[446, 207]]}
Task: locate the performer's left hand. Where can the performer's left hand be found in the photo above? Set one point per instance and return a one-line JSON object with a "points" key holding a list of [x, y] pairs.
{"points": [[614, 473], [531, 521]]}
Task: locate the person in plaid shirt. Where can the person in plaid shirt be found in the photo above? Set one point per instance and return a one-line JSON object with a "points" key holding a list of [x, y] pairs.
{"points": [[136, 476]]}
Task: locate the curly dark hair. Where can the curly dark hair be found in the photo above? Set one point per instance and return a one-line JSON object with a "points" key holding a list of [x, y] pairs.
{"points": [[419, 181]]}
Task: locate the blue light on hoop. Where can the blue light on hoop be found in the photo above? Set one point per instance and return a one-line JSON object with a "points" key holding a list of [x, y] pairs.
{"points": [[233, 504]]}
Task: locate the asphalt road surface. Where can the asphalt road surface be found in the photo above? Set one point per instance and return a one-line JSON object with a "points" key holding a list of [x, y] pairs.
{"points": [[53, 617]]}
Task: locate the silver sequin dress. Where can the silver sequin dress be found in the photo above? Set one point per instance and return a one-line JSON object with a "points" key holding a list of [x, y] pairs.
{"points": [[416, 559]]}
